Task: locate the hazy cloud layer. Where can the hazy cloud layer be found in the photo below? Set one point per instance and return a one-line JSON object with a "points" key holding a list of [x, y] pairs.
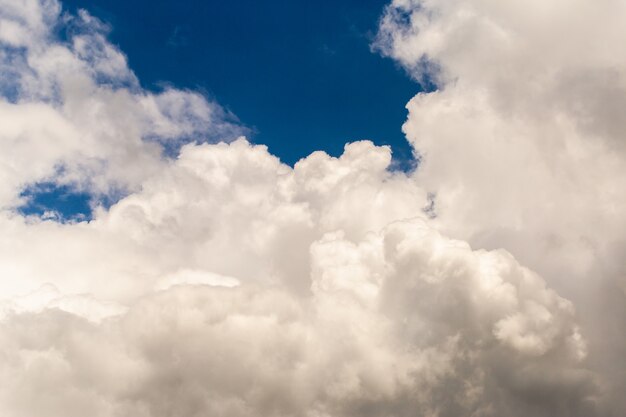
{"points": [[228, 284]]}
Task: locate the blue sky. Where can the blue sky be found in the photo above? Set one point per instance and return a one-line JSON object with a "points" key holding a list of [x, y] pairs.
{"points": [[301, 74]]}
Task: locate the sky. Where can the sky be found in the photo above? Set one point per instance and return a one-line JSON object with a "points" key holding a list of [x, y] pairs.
{"points": [[173, 246], [300, 74]]}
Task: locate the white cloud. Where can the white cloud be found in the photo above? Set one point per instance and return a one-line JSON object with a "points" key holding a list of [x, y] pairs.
{"points": [[394, 321], [74, 112], [228, 284], [524, 142], [334, 314]]}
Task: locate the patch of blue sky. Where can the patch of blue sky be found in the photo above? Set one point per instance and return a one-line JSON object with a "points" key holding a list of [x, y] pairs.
{"points": [[52, 201], [65, 203]]}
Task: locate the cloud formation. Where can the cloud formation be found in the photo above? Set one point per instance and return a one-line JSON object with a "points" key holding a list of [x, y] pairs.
{"points": [[226, 283], [74, 113], [523, 144]]}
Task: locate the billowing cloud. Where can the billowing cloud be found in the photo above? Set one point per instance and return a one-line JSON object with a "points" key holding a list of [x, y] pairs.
{"points": [[226, 283], [524, 142]]}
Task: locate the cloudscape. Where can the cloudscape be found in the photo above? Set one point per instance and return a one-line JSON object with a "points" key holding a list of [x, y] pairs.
{"points": [[205, 277]]}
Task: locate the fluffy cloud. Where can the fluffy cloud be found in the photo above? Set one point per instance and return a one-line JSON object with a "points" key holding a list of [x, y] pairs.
{"points": [[74, 113], [523, 144], [399, 321], [234, 285], [226, 283]]}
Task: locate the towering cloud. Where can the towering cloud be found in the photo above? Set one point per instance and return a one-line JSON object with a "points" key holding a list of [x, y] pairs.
{"points": [[226, 283], [524, 141]]}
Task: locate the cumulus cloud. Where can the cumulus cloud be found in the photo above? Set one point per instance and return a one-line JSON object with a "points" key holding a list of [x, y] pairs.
{"points": [[523, 143], [397, 322], [226, 283], [74, 113]]}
